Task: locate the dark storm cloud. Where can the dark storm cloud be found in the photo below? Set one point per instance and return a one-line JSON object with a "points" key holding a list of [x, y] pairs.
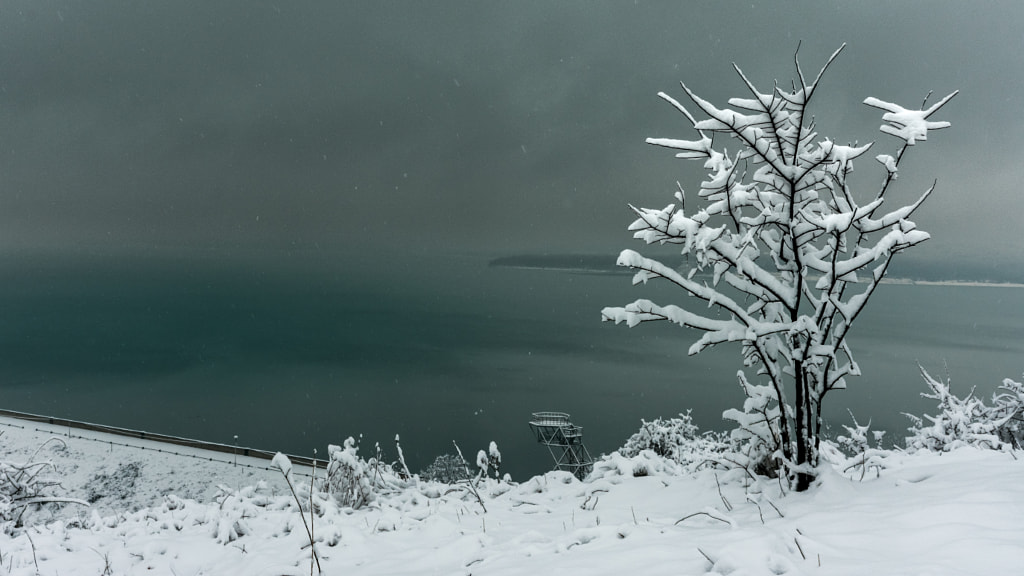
{"points": [[500, 127]]}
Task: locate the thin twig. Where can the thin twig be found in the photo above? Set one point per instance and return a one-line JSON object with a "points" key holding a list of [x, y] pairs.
{"points": [[759, 512], [312, 519], [705, 514], [802, 555], [728, 507], [738, 465], [35, 561]]}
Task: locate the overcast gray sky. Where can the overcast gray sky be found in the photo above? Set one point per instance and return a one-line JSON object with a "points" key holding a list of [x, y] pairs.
{"points": [[451, 126]]}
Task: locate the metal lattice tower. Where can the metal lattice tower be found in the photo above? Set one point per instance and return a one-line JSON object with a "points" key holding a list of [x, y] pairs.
{"points": [[564, 441]]}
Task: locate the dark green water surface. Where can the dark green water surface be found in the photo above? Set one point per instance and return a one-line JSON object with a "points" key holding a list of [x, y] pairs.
{"points": [[294, 358]]}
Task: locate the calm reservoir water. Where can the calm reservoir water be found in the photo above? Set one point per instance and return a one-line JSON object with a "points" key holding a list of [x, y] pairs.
{"points": [[294, 358]]}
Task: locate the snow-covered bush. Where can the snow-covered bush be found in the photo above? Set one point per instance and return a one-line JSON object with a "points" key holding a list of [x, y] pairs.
{"points": [[350, 481], [856, 441], [967, 421], [489, 461], [1008, 408], [472, 485], [758, 433], [677, 439], [446, 469], [782, 251], [228, 520], [852, 452], [354, 482]]}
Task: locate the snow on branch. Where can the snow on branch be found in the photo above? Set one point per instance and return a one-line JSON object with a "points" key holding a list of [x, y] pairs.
{"points": [[690, 148], [867, 225], [910, 125], [745, 127]]}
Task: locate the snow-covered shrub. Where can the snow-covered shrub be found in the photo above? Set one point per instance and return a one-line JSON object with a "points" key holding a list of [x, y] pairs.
{"points": [[677, 439], [348, 477], [758, 434], [353, 482], [783, 248], [963, 421], [473, 484], [228, 518], [489, 461], [1008, 409], [447, 469], [852, 452]]}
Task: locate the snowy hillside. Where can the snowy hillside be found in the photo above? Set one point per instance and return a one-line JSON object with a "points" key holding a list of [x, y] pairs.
{"points": [[957, 513]]}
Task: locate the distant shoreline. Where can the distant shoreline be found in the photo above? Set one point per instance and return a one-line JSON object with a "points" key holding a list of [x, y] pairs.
{"points": [[964, 283], [596, 265]]}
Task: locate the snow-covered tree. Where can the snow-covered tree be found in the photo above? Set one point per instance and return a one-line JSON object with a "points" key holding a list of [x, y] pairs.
{"points": [[782, 255]]}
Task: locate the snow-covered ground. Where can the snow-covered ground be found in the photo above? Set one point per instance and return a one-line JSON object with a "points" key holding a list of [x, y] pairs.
{"points": [[956, 513]]}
